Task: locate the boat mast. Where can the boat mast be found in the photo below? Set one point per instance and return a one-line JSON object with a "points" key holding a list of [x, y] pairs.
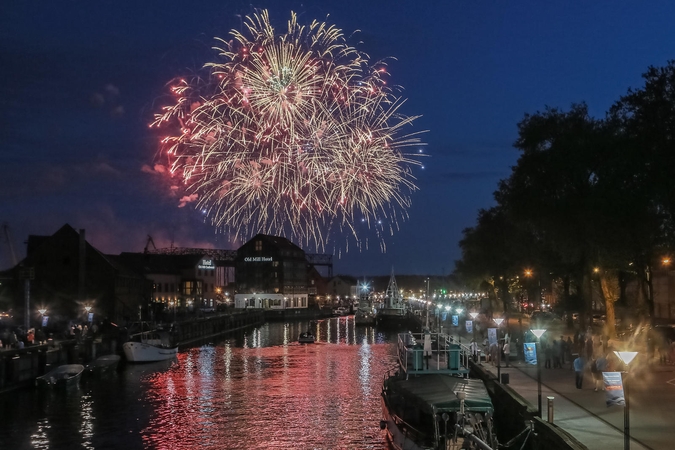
{"points": [[393, 295]]}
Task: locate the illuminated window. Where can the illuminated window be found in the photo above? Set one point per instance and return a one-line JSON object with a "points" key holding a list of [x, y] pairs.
{"points": [[188, 287], [258, 246]]}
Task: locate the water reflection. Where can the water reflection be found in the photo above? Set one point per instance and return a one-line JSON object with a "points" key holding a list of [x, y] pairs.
{"points": [[256, 389]]}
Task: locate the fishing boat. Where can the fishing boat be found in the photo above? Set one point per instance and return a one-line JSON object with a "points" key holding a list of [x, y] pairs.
{"points": [[150, 346], [392, 310], [429, 403], [65, 376], [103, 365], [306, 338], [365, 313]]}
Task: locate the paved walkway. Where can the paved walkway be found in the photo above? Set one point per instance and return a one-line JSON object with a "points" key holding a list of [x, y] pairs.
{"points": [[586, 427]]}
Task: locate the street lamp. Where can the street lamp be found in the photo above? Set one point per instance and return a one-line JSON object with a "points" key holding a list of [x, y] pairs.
{"points": [[42, 312], [473, 318], [626, 358], [498, 321], [538, 333]]}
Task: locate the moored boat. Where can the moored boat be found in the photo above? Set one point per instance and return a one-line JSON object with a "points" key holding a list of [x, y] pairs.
{"points": [[64, 376], [435, 406], [150, 346], [306, 338], [392, 310], [103, 364]]}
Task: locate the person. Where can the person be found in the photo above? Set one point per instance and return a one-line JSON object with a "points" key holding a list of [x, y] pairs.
{"points": [[507, 352], [579, 364], [547, 354], [473, 347], [568, 349], [600, 366], [556, 350], [589, 346]]}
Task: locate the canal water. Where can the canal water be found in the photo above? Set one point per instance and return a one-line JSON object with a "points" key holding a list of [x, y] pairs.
{"points": [[257, 389]]}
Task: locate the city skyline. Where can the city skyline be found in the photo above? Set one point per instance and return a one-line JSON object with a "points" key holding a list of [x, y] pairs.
{"points": [[84, 81]]}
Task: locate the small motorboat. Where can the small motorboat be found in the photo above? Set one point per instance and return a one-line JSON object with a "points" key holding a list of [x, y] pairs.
{"points": [[150, 346], [64, 376], [306, 338], [104, 364]]}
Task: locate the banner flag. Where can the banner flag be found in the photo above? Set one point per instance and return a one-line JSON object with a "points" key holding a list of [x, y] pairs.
{"points": [[469, 326], [614, 389], [530, 351], [492, 336], [455, 320]]}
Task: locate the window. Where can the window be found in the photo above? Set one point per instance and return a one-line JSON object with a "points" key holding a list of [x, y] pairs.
{"points": [[258, 246], [173, 288], [199, 272], [166, 287], [158, 287], [188, 287]]}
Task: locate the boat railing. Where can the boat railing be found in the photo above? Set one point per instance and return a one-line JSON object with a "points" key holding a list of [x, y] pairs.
{"points": [[441, 355]]}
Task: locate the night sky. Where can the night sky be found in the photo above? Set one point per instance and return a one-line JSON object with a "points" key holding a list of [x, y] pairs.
{"points": [[80, 81]]}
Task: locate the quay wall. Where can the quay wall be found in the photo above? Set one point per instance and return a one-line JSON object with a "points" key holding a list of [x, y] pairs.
{"points": [[513, 413], [20, 367]]}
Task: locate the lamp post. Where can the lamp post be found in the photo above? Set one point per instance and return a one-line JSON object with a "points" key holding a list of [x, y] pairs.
{"points": [[473, 318], [626, 358], [538, 333], [498, 321]]}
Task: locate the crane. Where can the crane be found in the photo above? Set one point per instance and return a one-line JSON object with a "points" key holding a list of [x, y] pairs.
{"points": [[10, 243], [147, 244]]}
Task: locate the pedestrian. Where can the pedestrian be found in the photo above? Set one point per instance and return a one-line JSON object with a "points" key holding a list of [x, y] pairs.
{"points": [[547, 354], [600, 366], [507, 352], [579, 364], [473, 347], [589, 347], [555, 349]]}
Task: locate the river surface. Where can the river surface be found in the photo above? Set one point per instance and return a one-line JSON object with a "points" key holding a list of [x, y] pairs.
{"points": [[256, 389]]}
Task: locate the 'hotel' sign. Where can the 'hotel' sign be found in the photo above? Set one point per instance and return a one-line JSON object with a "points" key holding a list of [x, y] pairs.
{"points": [[258, 259]]}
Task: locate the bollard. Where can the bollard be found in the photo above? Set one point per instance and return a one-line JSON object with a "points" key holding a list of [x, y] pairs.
{"points": [[550, 409]]}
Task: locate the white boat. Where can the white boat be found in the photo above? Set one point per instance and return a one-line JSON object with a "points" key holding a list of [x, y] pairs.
{"points": [[340, 311], [64, 376], [393, 310], [149, 346]]}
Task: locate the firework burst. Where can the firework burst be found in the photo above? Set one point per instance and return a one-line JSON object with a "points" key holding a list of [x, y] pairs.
{"points": [[294, 134]]}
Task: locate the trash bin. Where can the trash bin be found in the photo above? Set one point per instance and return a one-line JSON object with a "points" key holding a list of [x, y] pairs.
{"points": [[453, 356], [505, 378], [418, 358]]}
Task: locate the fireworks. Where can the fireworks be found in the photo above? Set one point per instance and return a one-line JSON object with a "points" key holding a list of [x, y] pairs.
{"points": [[293, 134]]}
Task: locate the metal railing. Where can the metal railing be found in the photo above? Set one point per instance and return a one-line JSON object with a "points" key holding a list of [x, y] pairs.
{"points": [[441, 355]]}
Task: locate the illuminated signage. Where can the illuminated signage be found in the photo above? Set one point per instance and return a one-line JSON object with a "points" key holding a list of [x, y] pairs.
{"points": [[258, 259], [206, 264]]}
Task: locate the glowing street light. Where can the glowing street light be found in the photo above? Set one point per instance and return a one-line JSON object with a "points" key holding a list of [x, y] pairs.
{"points": [[538, 332], [626, 358], [498, 321]]}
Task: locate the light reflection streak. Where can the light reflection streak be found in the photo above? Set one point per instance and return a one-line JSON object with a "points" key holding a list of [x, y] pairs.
{"points": [[364, 371], [39, 438], [87, 425]]}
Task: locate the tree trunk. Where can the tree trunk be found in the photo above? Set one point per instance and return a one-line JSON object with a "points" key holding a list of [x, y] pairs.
{"points": [[609, 282]]}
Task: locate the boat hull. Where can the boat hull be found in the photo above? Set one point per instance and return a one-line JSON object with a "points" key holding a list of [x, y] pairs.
{"points": [[66, 376], [142, 352], [104, 364]]}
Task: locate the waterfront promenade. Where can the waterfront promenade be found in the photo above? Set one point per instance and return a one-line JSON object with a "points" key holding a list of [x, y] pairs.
{"points": [[583, 413]]}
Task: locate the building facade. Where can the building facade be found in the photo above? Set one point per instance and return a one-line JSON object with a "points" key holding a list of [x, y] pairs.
{"points": [[272, 265]]}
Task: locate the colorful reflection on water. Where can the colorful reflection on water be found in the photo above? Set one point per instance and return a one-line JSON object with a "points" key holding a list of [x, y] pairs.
{"points": [[258, 389]]}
